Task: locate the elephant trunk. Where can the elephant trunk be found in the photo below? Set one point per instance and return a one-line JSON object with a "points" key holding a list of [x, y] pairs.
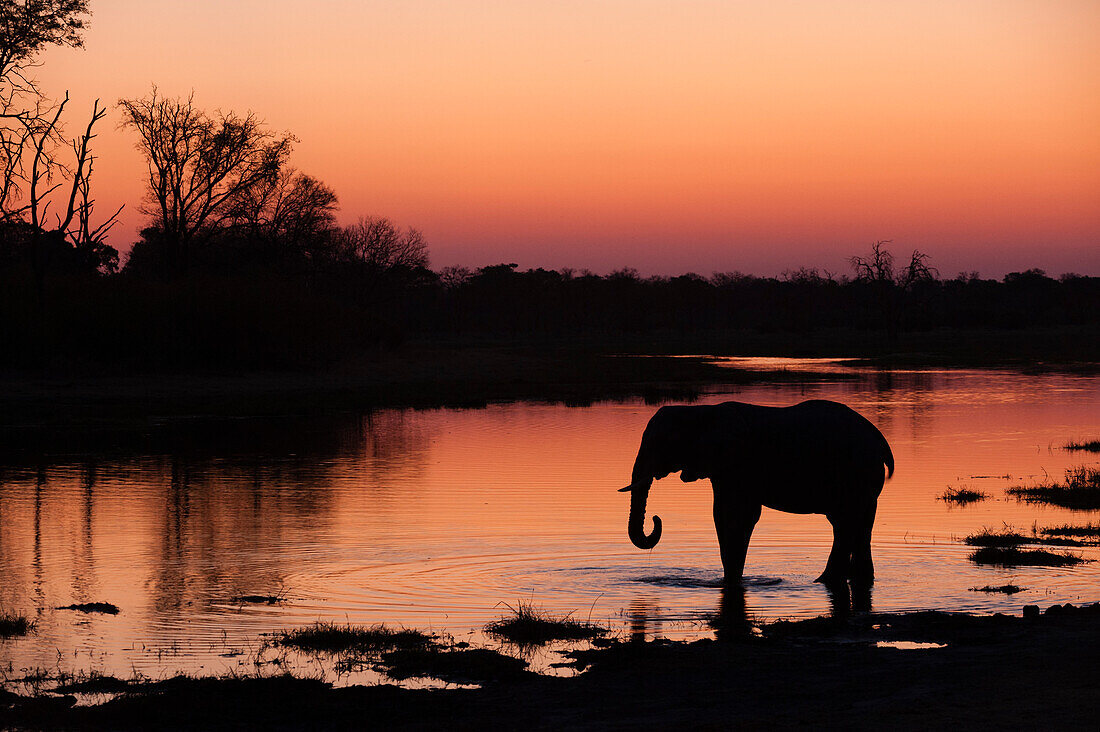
{"points": [[639, 492]]}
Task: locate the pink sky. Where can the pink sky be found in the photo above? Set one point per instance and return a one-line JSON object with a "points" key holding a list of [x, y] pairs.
{"points": [[667, 136]]}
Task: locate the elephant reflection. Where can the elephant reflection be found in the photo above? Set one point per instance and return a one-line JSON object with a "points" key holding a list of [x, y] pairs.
{"points": [[814, 457]]}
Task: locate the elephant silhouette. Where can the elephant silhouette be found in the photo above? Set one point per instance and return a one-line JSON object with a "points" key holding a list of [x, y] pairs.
{"points": [[815, 457]]}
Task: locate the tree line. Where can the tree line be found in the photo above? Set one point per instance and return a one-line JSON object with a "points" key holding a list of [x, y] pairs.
{"points": [[243, 264]]}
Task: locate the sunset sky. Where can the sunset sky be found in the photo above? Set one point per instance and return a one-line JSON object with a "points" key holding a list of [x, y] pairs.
{"points": [[668, 136]]}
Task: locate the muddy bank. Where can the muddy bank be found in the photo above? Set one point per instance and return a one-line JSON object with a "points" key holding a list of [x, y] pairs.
{"points": [[855, 672]]}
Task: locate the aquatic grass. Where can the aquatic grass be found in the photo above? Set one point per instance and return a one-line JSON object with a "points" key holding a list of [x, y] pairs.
{"points": [[1088, 530], [1005, 538], [13, 625], [1090, 446], [528, 625], [93, 607], [962, 495], [95, 682], [1013, 557], [1003, 589], [1080, 490], [332, 638], [1063, 541]]}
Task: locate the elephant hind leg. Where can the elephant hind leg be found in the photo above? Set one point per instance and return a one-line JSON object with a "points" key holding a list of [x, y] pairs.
{"points": [[863, 568], [839, 566]]}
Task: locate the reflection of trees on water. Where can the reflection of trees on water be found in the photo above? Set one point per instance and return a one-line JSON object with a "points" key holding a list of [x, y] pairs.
{"points": [[394, 440], [225, 523], [207, 507], [83, 566], [39, 486], [227, 517], [226, 500], [393, 451]]}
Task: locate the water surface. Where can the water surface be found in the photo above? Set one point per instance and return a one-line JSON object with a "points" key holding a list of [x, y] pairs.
{"points": [[435, 518]]}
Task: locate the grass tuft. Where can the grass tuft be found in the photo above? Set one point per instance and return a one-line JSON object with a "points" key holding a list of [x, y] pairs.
{"points": [[324, 637], [1089, 531], [93, 607], [13, 626], [1080, 490], [528, 625], [94, 682], [1004, 589], [962, 496], [1090, 446], [989, 537], [1013, 557]]}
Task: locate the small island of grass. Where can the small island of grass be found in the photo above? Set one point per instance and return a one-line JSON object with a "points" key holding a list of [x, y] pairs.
{"points": [[528, 625], [13, 625], [1079, 491], [1013, 557], [962, 496]]}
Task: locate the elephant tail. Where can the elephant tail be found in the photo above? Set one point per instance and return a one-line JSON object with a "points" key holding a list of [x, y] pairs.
{"points": [[887, 456]]}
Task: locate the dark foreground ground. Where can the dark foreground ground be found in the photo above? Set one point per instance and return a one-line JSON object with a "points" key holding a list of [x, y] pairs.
{"points": [[994, 672]]}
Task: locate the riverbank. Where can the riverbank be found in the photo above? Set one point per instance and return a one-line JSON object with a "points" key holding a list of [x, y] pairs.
{"points": [[413, 376], [422, 375], [859, 671]]}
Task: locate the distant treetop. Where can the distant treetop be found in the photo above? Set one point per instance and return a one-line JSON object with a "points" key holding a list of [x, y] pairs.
{"points": [[26, 26]]}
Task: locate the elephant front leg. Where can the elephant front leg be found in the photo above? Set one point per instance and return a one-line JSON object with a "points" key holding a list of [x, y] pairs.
{"points": [[734, 521]]}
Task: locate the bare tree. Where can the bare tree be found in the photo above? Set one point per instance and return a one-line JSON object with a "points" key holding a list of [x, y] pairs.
{"points": [[917, 270], [381, 246], [28, 120], [879, 267], [33, 174], [200, 166]]}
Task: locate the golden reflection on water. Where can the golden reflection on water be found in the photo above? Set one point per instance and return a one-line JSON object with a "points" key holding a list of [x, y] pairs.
{"points": [[433, 518]]}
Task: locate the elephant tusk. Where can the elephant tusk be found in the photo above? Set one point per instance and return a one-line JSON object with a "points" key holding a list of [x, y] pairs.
{"points": [[624, 490]]}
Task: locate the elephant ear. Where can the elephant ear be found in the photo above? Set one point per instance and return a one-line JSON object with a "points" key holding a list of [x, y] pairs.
{"points": [[698, 457], [703, 452]]}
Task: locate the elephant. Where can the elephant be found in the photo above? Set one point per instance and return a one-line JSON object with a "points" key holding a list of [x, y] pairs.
{"points": [[815, 457]]}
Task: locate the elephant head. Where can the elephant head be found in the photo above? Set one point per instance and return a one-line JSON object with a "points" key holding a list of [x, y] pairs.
{"points": [[669, 444]]}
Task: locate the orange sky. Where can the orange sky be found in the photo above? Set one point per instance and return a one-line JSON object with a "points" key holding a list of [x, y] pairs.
{"points": [[669, 136]]}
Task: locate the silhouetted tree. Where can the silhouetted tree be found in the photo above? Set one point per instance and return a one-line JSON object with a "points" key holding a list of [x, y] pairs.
{"points": [[289, 214], [28, 25], [200, 167], [917, 271], [454, 277], [33, 174], [877, 268], [378, 245], [889, 286], [28, 120]]}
